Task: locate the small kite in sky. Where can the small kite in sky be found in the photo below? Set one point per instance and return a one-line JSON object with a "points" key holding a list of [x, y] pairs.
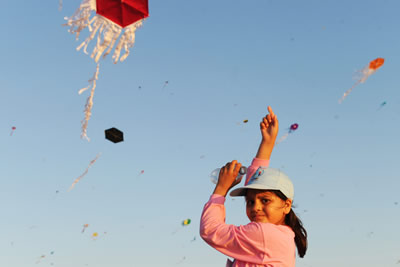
{"points": [[114, 135], [12, 130], [113, 25], [382, 105], [367, 71], [184, 223], [95, 235], [165, 84], [140, 173], [41, 257], [245, 121], [292, 128], [83, 174], [84, 227]]}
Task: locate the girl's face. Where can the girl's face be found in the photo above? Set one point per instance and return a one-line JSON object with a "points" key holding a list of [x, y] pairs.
{"points": [[266, 207]]}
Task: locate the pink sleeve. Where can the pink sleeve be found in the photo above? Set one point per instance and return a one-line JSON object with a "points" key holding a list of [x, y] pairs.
{"points": [[245, 243], [255, 164]]}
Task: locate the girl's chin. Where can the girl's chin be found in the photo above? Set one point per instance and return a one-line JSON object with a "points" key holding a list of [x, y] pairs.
{"points": [[260, 219]]}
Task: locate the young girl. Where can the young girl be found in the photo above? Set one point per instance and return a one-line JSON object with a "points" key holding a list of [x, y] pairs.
{"points": [[274, 231]]}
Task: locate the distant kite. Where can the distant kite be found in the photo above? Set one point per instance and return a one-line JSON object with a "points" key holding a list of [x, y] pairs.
{"points": [[41, 257], [367, 71], [184, 223], [140, 173], [382, 105], [95, 235], [292, 128], [84, 227], [12, 130], [165, 84], [114, 135], [113, 26]]}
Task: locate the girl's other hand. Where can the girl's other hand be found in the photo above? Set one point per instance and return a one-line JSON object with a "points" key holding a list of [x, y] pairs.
{"points": [[269, 127], [227, 178]]}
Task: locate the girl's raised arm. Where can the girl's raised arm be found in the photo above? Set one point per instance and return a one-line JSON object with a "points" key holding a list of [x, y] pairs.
{"points": [[269, 127]]}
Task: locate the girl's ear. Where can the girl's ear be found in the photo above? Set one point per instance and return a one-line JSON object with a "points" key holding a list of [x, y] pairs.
{"points": [[288, 206]]}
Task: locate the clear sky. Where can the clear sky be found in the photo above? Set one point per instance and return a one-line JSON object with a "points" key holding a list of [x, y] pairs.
{"points": [[225, 62]]}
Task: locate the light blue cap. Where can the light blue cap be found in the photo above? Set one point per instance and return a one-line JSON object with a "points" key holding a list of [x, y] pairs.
{"points": [[267, 179]]}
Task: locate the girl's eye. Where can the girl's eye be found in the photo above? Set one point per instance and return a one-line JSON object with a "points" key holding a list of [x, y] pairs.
{"points": [[264, 200], [249, 202]]}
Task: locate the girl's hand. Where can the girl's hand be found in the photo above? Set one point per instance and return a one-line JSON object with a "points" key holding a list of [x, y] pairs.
{"points": [[269, 127], [227, 178]]}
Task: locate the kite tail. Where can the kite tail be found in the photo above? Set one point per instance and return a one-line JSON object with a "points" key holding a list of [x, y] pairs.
{"points": [[348, 92], [106, 38], [126, 41], [85, 172], [107, 32], [81, 18], [282, 138], [365, 73], [89, 102]]}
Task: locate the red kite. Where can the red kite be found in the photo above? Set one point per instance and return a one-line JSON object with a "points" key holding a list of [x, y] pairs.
{"points": [[114, 19], [113, 24]]}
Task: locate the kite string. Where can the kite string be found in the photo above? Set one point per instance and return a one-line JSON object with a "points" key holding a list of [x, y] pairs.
{"points": [[282, 138]]}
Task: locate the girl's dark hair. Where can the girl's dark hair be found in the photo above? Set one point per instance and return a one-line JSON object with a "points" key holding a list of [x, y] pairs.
{"points": [[295, 223]]}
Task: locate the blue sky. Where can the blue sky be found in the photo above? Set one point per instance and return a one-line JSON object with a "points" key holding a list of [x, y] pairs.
{"points": [[224, 61]]}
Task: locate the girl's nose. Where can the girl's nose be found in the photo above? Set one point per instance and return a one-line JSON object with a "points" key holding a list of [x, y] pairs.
{"points": [[257, 205]]}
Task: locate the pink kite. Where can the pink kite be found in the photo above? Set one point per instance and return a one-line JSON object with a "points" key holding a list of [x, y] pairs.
{"points": [[292, 128]]}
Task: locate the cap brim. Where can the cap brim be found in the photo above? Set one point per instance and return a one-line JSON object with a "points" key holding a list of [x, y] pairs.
{"points": [[241, 191], [238, 192]]}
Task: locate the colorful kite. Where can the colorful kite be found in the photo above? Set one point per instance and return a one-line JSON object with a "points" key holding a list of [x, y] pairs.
{"points": [[292, 128], [95, 235], [184, 223], [114, 19], [367, 71], [113, 25]]}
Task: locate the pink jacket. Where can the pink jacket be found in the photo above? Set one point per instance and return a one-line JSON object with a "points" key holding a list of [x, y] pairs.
{"points": [[254, 244]]}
